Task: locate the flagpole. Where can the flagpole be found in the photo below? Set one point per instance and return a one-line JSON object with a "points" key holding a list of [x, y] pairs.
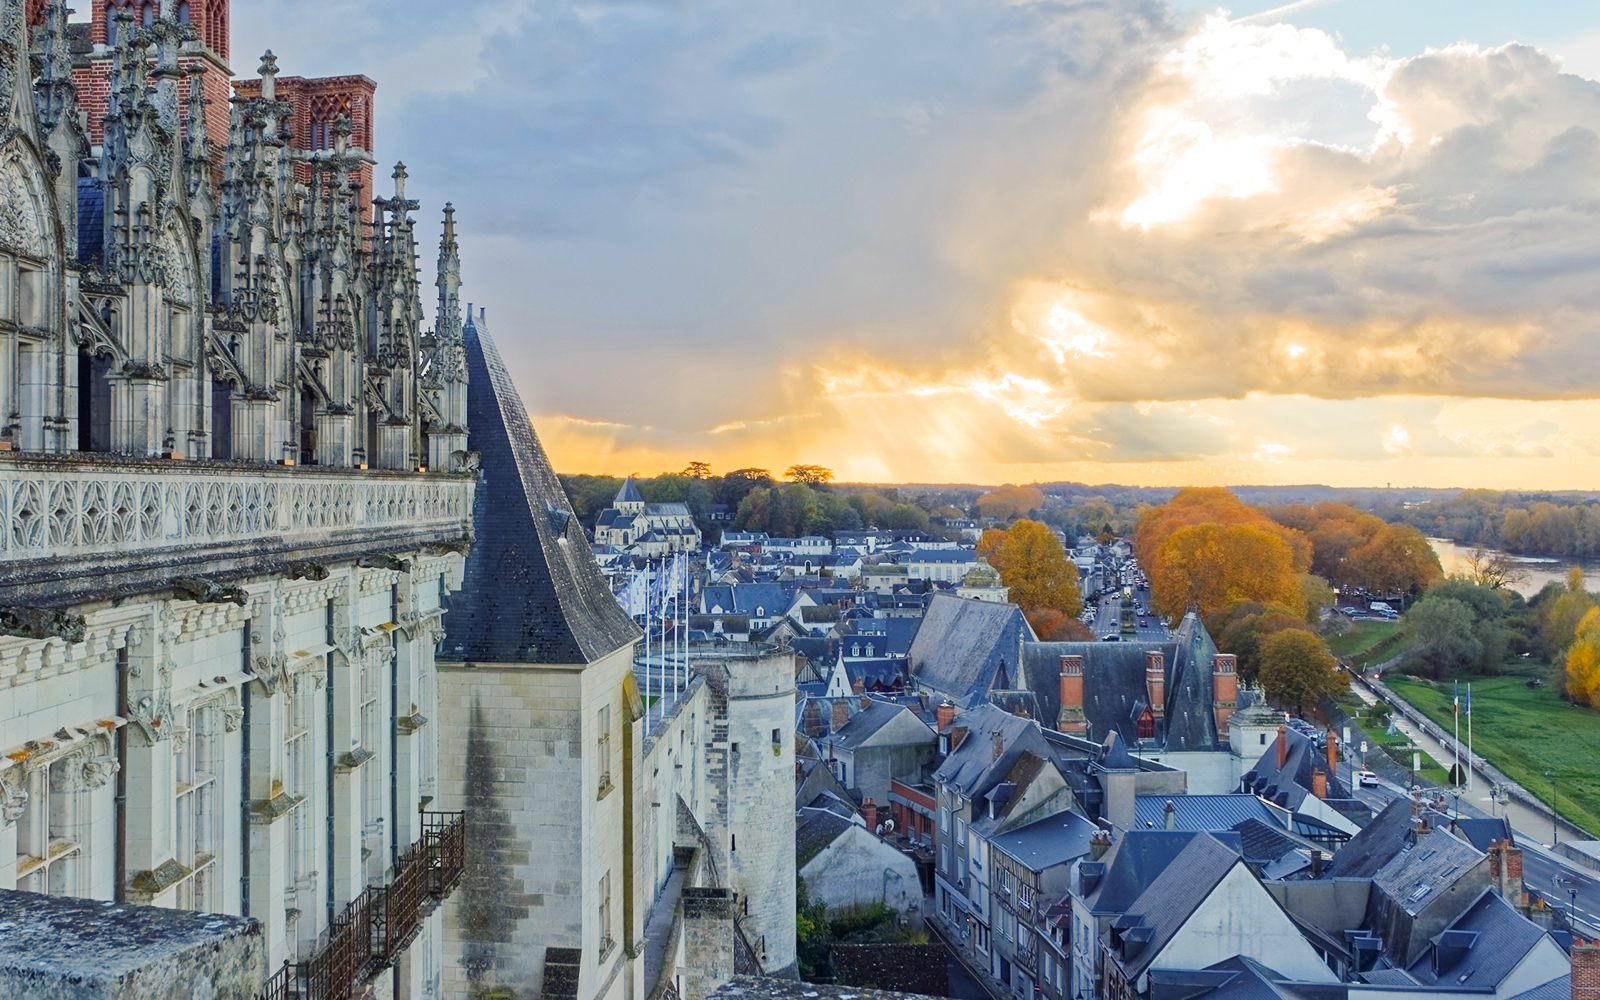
{"points": [[1455, 750], [647, 648], [1469, 736]]}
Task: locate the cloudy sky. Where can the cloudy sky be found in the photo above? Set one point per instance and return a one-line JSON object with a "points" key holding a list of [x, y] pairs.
{"points": [[1348, 241]]}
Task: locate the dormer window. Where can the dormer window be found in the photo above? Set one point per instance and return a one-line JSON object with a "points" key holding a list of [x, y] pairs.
{"points": [[869, 649], [855, 650]]}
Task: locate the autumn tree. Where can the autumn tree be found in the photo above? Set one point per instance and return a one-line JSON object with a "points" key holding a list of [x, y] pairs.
{"points": [[1031, 561], [1242, 628], [1297, 669], [1009, 502], [1582, 661], [1211, 566], [811, 475], [1556, 617], [1051, 625], [1397, 558], [1334, 529], [1211, 505]]}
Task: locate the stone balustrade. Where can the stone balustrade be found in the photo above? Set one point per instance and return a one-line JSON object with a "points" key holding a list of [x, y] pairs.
{"points": [[63, 520]]}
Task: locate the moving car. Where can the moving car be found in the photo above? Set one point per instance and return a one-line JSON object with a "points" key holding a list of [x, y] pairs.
{"points": [[1367, 779]]}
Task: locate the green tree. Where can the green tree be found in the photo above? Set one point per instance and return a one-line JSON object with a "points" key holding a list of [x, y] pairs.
{"points": [[1445, 630], [813, 475], [1297, 669], [1031, 561], [697, 470]]}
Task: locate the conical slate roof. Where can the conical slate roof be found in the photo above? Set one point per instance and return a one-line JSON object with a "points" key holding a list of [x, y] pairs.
{"points": [[532, 592], [629, 493]]}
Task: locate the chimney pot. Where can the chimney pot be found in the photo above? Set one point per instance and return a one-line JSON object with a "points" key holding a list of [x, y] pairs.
{"points": [[1283, 746], [999, 744], [944, 715]]}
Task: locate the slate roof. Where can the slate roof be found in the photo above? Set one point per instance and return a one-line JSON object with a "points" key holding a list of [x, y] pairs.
{"points": [[1375, 845], [1480, 948], [972, 767], [1114, 684], [1264, 843], [876, 674], [531, 590], [961, 644], [1203, 812], [1480, 831], [865, 723], [1237, 978], [1428, 868], [898, 633], [815, 829], [1175, 894], [1555, 989], [1048, 842], [1136, 860], [1288, 786], [629, 493]]}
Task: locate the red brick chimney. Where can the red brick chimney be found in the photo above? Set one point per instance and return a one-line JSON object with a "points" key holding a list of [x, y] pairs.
{"points": [[1283, 746], [1070, 719], [866, 703], [858, 685], [1333, 752], [1155, 681], [841, 714], [1224, 689], [1513, 870], [869, 814], [1319, 784], [1586, 969], [944, 715]]}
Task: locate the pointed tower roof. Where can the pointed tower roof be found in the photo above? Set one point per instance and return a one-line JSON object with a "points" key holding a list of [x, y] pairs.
{"points": [[629, 493], [532, 592]]}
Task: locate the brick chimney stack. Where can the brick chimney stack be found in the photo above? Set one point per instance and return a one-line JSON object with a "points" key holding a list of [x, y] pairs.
{"points": [[1333, 752], [841, 714], [1316, 863], [1283, 746], [1319, 784], [1585, 969], [1224, 689], [1155, 681], [1070, 719], [943, 715], [869, 814]]}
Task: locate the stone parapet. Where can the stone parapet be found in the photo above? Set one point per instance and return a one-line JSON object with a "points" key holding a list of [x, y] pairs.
{"points": [[74, 529]]}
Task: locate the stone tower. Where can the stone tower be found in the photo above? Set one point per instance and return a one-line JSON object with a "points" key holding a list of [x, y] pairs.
{"points": [[759, 803]]}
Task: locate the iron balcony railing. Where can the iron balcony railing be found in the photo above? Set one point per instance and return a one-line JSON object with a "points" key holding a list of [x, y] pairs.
{"points": [[380, 923]]}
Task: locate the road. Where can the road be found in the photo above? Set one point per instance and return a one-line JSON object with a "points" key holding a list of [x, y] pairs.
{"points": [[1108, 618], [1565, 885]]}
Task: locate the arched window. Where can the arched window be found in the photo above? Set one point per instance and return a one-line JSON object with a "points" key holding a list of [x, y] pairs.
{"points": [[183, 12], [149, 16], [111, 25]]}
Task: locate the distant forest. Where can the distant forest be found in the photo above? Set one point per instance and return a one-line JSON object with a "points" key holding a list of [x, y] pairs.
{"points": [[1563, 524]]}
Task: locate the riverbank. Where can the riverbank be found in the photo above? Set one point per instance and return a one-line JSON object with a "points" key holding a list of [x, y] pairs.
{"points": [[1524, 732]]}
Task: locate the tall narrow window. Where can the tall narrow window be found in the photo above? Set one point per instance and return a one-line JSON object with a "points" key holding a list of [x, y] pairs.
{"points": [[603, 748], [605, 914]]}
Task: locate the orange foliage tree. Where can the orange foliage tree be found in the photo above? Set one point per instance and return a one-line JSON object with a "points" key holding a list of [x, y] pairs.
{"points": [[1335, 530], [1051, 625], [1010, 502], [1212, 566], [1031, 561], [1583, 661], [1396, 558], [1209, 549]]}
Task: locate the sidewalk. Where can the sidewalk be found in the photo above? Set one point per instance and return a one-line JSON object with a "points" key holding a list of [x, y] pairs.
{"points": [[1528, 813]]}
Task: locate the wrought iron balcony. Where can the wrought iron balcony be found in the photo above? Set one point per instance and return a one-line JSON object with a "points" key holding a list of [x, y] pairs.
{"points": [[379, 924]]}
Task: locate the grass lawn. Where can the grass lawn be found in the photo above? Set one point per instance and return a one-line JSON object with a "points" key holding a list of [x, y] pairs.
{"points": [[1524, 732], [1361, 637]]}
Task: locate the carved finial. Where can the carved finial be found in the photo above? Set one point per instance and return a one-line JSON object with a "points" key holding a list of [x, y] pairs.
{"points": [[269, 76], [449, 224], [400, 182]]}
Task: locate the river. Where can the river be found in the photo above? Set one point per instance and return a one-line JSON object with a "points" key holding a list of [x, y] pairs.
{"points": [[1539, 570]]}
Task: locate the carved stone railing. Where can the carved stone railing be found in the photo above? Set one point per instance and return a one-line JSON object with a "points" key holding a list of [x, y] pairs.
{"points": [[64, 518]]}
